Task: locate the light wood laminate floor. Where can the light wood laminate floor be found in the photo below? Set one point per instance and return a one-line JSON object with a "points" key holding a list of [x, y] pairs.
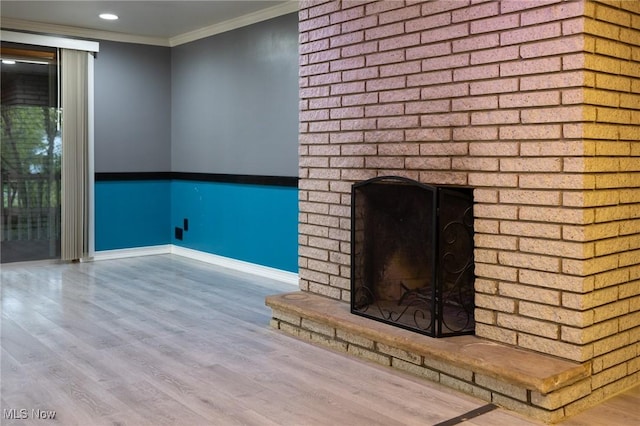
{"points": [[165, 340]]}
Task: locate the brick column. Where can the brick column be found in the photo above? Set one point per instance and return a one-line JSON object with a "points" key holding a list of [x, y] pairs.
{"points": [[535, 104]]}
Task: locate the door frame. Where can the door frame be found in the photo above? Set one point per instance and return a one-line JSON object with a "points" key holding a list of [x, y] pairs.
{"points": [[91, 47]]}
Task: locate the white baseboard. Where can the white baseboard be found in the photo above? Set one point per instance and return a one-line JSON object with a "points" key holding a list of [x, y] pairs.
{"points": [[131, 252], [226, 262], [238, 265]]}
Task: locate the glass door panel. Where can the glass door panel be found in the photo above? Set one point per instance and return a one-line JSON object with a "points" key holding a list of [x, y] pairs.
{"points": [[31, 154]]}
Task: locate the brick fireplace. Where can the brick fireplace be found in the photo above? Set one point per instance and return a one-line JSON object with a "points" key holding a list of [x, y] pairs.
{"points": [[535, 104]]}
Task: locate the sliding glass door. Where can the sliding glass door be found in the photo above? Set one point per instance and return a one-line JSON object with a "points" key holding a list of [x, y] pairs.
{"points": [[31, 154]]}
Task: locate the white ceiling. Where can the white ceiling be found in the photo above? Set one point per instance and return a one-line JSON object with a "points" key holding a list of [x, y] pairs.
{"points": [[155, 22]]}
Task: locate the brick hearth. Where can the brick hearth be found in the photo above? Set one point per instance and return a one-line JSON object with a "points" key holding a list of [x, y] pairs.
{"points": [[536, 105], [534, 384]]}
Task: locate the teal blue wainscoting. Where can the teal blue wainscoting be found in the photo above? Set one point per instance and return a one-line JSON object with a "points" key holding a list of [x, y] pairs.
{"points": [[132, 213], [249, 222]]}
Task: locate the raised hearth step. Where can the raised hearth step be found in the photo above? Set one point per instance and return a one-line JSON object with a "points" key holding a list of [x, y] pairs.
{"points": [[535, 384]]}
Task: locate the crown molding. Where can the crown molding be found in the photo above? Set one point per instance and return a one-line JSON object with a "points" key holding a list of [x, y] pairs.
{"points": [[232, 24], [86, 33]]}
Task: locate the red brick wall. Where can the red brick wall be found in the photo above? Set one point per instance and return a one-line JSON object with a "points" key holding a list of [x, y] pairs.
{"points": [[535, 104]]}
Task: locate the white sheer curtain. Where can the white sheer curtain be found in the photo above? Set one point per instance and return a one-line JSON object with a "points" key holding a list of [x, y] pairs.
{"points": [[75, 159]]}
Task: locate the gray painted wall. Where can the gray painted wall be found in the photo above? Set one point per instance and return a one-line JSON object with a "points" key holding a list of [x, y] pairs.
{"points": [[132, 108], [234, 100]]}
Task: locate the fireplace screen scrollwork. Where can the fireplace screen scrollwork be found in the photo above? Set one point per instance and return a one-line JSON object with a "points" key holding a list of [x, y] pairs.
{"points": [[412, 255]]}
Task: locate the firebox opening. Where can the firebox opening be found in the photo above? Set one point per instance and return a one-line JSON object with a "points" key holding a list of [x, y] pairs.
{"points": [[412, 255]]}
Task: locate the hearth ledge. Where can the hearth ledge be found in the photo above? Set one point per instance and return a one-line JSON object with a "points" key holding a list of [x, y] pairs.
{"points": [[489, 370]]}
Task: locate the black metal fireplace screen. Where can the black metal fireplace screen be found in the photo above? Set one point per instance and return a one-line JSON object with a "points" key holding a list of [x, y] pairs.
{"points": [[412, 255]]}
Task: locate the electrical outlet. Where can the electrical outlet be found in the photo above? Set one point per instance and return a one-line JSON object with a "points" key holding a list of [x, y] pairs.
{"points": [[178, 233]]}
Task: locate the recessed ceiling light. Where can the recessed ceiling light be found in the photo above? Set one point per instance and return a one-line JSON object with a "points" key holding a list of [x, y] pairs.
{"points": [[108, 16]]}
